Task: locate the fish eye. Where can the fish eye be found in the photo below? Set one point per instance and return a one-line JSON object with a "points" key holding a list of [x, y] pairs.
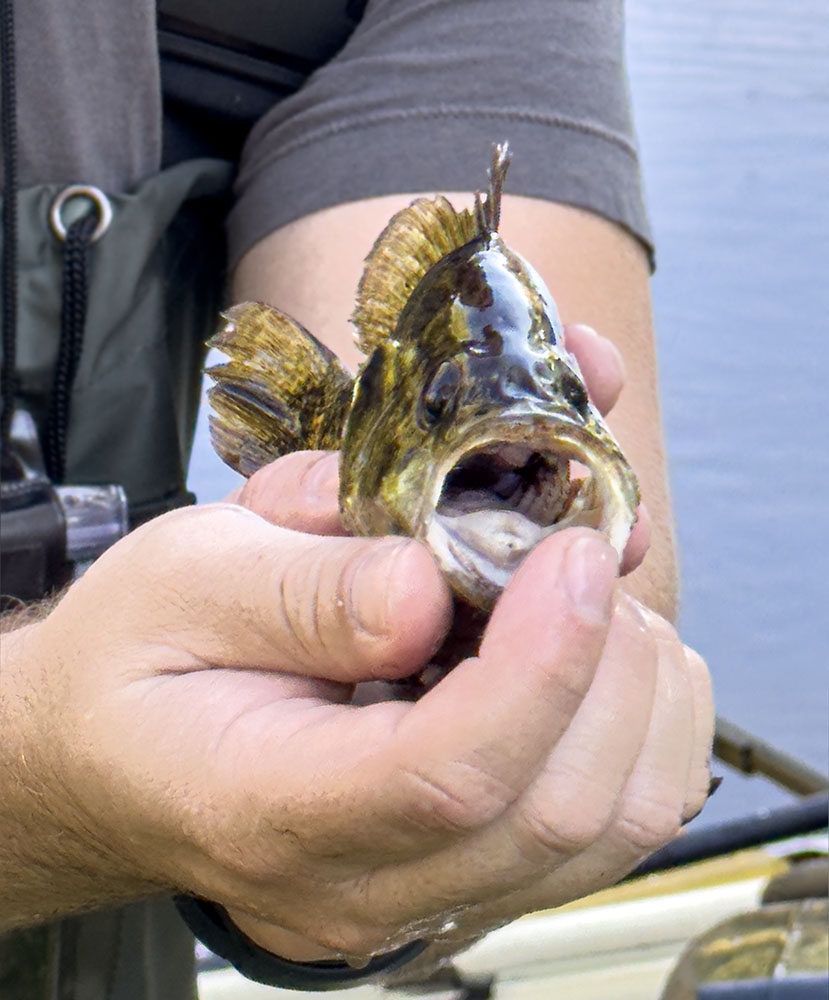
{"points": [[574, 392], [441, 393]]}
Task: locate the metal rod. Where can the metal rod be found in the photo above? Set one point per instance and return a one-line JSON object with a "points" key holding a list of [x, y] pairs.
{"points": [[749, 754]]}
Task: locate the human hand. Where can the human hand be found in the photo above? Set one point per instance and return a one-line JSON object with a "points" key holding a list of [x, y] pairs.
{"points": [[182, 741], [534, 774], [181, 721], [604, 374]]}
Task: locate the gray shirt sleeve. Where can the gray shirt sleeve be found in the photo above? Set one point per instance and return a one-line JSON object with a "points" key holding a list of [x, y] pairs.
{"points": [[421, 90], [88, 92]]}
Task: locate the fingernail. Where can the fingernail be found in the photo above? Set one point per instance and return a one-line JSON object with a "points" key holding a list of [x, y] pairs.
{"points": [[643, 615], [323, 477], [368, 592], [591, 571], [649, 617], [713, 785]]}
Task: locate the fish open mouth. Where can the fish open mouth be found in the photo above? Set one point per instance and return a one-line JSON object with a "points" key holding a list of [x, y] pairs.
{"points": [[533, 486], [500, 498]]}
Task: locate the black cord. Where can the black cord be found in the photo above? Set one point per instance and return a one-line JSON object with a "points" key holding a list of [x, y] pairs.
{"points": [[214, 928], [808, 815], [8, 128], [72, 323]]}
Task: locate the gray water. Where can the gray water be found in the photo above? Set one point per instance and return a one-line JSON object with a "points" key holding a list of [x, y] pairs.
{"points": [[732, 107]]}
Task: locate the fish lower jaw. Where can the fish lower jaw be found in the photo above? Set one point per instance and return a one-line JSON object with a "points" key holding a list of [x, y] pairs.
{"points": [[479, 551], [498, 501]]}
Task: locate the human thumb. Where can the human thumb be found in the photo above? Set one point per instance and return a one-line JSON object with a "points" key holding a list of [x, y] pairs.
{"points": [[234, 591]]}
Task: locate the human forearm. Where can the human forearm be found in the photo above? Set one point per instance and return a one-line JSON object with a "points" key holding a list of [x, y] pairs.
{"points": [[53, 861]]}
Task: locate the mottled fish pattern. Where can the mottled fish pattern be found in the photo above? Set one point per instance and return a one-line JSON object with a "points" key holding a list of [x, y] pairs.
{"points": [[468, 426]]}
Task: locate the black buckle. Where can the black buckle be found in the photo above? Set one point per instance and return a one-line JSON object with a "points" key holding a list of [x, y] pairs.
{"points": [[32, 542]]}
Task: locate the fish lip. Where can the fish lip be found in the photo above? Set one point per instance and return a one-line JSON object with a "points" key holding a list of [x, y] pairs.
{"points": [[508, 428], [565, 433]]}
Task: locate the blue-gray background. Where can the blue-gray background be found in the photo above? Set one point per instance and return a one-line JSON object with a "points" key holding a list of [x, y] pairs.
{"points": [[732, 108]]}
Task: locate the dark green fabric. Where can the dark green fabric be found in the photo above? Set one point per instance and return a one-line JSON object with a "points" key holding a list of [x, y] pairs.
{"points": [[156, 280], [25, 961], [156, 283]]}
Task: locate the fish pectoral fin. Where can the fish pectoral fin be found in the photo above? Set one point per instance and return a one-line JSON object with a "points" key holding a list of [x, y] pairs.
{"points": [[280, 390]]}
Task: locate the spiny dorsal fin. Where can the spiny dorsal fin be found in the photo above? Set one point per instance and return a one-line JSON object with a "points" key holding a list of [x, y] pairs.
{"points": [[280, 391], [488, 213], [413, 242]]}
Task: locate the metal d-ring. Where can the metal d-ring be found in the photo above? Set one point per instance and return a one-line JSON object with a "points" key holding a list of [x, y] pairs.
{"points": [[100, 203]]}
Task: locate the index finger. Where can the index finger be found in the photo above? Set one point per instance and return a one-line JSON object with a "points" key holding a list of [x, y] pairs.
{"points": [[600, 362], [298, 491], [467, 750]]}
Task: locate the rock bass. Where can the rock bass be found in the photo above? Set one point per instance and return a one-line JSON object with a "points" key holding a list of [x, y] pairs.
{"points": [[468, 426]]}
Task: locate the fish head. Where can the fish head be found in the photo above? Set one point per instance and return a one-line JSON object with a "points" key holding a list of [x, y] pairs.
{"points": [[471, 427]]}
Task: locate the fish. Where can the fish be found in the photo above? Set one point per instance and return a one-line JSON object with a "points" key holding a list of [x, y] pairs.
{"points": [[468, 426]]}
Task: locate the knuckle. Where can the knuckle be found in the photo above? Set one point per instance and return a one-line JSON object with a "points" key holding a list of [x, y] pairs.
{"points": [[366, 573], [568, 688], [169, 551], [299, 605], [180, 527], [155, 534], [569, 831], [392, 605], [326, 612], [375, 646], [460, 804], [221, 512], [647, 824], [373, 656]]}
